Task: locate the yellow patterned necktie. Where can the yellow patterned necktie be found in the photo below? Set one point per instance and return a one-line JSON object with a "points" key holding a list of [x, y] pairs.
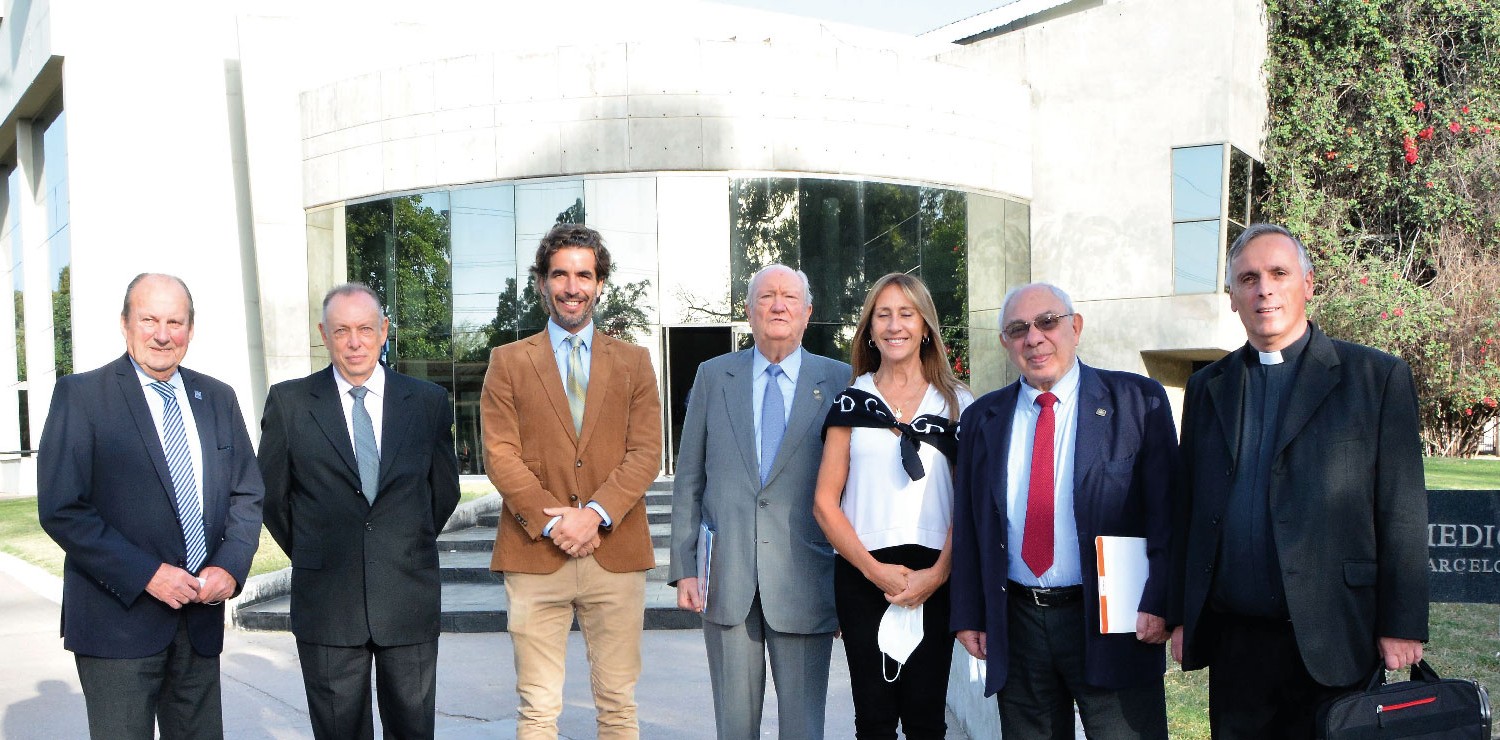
{"points": [[576, 384]]}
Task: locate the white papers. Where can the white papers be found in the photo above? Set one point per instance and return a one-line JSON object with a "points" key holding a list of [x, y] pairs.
{"points": [[705, 561], [1122, 578]]}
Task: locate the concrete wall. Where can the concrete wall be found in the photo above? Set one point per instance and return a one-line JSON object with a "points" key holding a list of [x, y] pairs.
{"points": [[1114, 89]]}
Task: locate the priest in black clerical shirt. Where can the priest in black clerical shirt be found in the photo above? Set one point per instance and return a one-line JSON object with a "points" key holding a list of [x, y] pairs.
{"points": [[1299, 537]]}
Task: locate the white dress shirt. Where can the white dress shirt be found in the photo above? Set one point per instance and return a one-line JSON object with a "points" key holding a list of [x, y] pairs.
{"points": [[1065, 570], [561, 350], [189, 426], [374, 402]]}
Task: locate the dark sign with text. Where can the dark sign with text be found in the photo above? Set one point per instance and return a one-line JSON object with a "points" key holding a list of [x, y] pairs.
{"points": [[1463, 546]]}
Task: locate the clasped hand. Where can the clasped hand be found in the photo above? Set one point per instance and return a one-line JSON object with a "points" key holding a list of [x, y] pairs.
{"points": [[577, 533], [176, 587]]}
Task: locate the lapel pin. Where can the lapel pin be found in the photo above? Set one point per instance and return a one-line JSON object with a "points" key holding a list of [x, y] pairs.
{"points": [[818, 394], [198, 395], [1100, 412]]}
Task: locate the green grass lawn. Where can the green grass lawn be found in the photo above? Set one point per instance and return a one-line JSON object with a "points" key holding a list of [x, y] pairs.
{"points": [[1456, 473]]}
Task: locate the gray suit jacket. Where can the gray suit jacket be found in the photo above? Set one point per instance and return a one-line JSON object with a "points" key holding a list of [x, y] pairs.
{"points": [[767, 538]]}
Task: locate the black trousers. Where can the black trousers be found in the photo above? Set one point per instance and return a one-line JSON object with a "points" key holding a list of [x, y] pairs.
{"points": [[1258, 686], [1046, 677], [176, 689], [337, 680], [918, 696]]}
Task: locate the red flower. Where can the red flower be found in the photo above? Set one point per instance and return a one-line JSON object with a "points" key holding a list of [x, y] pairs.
{"points": [[1468, 412], [1425, 133], [1419, 106], [1465, 109], [1364, 280], [1473, 129], [1430, 185], [1489, 341], [1399, 312], [1489, 403], [1455, 127], [1332, 155], [1384, 315]]}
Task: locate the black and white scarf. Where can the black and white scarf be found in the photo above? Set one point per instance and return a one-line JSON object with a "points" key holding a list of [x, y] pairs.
{"points": [[857, 408]]}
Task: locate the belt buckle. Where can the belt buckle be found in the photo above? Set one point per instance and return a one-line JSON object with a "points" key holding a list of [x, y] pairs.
{"points": [[1036, 596]]}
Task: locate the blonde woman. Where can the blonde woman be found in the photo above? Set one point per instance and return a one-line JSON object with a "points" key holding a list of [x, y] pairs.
{"points": [[885, 500]]}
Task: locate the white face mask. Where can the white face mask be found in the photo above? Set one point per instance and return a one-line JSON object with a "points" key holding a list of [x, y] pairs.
{"points": [[900, 632]]}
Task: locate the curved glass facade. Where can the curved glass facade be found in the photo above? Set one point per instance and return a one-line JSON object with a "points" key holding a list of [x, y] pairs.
{"points": [[452, 266]]}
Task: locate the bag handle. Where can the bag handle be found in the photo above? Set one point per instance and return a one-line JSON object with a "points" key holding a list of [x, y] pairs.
{"points": [[1420, 671]]}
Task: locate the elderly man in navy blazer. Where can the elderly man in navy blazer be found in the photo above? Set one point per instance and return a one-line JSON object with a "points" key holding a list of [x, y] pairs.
{"points": [[1046, 464], [147, 481]]}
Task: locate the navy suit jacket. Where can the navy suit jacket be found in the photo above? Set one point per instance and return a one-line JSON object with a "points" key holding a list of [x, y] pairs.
{"points": [[105, 495], [1124, 454], [360, 571]]}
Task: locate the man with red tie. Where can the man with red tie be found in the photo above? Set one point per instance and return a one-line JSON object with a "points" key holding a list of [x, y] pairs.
{"points": [[1046, 464]]}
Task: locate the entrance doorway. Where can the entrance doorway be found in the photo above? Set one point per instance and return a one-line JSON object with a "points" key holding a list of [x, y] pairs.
{"points": [[684, 348]]}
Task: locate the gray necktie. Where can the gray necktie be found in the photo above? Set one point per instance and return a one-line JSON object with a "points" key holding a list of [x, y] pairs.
{"points": [[366, 453], [772, 421], [577, 385]]}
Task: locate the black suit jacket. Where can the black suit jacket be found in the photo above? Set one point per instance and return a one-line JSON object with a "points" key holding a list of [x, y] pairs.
{"points": [[1122, 471], [105, 495], [1347, 500], [360, 572]]}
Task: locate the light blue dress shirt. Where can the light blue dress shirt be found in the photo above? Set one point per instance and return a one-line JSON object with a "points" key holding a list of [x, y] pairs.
{"points": [[1066, 569], [561, 349], [790, 366]]}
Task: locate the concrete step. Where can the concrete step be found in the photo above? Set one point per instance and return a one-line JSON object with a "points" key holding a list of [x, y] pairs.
{"points": [[475, 607], [473, 566]]}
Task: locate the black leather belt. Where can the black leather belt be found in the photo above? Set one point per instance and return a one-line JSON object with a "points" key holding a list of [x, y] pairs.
{"points": [[1061, 596]]}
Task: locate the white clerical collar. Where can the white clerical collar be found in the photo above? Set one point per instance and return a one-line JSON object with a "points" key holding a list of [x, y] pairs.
{"points": [[1271, 358]]}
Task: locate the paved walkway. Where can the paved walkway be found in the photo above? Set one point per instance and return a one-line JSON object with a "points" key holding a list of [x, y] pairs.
{"points": [[262, 685]]}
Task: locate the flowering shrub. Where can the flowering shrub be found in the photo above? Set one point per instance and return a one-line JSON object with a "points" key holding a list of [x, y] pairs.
{"points": [[1382, 154]]}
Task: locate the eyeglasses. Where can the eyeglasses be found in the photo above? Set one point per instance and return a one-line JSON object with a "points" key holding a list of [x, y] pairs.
{"points": [[1046, 322]]}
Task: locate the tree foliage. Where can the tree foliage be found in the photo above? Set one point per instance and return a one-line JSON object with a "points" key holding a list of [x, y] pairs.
{"points": [[1384, 154]]}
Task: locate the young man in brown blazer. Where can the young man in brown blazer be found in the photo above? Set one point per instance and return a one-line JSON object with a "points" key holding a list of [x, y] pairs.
{"points": [[572, 436]]}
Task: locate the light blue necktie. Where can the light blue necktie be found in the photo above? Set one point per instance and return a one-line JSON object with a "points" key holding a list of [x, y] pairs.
{"points": [[365, 451], [180, 463], [772, 421]]}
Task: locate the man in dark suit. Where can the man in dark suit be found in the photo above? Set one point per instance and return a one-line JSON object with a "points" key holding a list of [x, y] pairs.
{"points": [[147, 481], [360, 478], [1065, 454], [771, 588], [1300, 536]]}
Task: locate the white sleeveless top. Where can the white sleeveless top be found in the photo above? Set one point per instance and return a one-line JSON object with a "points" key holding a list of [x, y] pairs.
{"points": [[885, 506]]}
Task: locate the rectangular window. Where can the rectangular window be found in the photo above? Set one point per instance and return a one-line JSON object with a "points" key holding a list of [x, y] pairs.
{"points": [[1216, 193]]}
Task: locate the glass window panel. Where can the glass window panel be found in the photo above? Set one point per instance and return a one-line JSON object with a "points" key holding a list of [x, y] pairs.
{"points": [[1258, 183], [1239, 186], [831, 225], [693, 243], [54, 166], [485, 290], [1197, 256], [944, 237], [1197, 182], [370, 239], [60, 253], [1232, 233], [765, 229], [829, 340], [539, 207], [423, 305], [623, 211], [891, 241], [12, 233]]}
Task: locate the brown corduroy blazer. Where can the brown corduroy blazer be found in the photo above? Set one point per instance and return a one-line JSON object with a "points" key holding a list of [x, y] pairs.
{"points": [[536, 460]]}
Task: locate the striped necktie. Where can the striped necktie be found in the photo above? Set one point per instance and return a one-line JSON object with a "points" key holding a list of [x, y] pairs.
{"points": [[174, 443], [366, 451]]}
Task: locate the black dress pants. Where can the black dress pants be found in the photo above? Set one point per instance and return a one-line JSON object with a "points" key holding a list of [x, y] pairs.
{"points": [[337, 680], [919, 695], [1258, 686], [176, 690]]}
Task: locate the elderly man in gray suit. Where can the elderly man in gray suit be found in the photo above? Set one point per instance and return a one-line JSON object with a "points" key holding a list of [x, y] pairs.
{"points": [[753, 420]]}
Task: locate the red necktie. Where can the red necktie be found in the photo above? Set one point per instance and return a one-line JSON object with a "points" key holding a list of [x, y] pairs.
{"points": [[1036, 540]]}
